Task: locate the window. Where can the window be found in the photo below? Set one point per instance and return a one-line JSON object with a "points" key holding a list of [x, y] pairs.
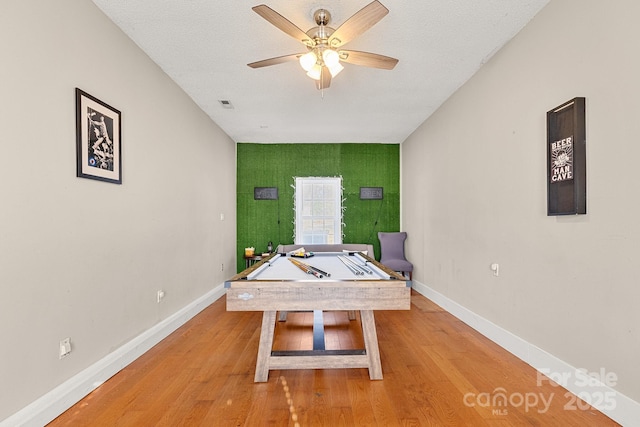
{"points": [[318, 210]]}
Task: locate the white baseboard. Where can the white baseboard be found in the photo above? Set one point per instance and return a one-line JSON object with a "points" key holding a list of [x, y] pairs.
{"points": [[61, 398], [585, 385]]}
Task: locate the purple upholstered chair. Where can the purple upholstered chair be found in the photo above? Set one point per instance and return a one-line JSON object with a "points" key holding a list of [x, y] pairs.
{"points": [[392, 252]]}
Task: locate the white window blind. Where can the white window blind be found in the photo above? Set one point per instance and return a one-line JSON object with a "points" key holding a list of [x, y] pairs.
{"points": [[318, 210]]}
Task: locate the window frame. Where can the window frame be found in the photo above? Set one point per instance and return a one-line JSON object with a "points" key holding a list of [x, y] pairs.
{"points": [[301, 236]]}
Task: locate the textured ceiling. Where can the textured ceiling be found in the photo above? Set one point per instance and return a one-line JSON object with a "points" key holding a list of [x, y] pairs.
{"points": [[205, 46]]}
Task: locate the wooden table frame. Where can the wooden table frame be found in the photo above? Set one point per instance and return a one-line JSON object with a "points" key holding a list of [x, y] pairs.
{"points": [[318, 359], [271, 296]]}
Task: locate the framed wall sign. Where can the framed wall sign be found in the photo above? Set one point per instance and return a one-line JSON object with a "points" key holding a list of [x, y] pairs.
{"points": [[98, 145], [265, 193], [566, 159], [371, 193]]}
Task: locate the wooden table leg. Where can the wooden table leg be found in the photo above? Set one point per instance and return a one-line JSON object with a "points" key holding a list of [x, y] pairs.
{"points": [[266, 345], [371, 344]]}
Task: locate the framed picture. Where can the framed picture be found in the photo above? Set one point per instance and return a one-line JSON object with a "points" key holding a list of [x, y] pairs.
{"points": [[566, 159], [98, 145]]}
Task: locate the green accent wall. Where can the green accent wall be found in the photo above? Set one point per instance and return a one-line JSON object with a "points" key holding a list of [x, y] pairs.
{"points": [[276, 165]]}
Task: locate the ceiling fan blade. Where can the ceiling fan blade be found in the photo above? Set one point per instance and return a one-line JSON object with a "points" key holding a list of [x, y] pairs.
{"points": [[367, 59], [274, 61], [282, 23], [364, 19], [325, 79]]}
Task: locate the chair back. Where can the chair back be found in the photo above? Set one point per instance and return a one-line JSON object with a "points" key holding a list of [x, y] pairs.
{"points": [[392, 245]]}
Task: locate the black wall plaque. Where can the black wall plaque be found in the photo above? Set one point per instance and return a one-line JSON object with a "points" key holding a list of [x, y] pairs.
{"points": [[371, 193], [265, 193], [566, 159]]}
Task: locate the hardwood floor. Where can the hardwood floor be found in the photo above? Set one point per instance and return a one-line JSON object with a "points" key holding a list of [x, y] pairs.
{"points": [[437, 372]]}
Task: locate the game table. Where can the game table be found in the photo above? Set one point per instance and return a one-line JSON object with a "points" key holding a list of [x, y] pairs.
{"points": [[351, 281]]}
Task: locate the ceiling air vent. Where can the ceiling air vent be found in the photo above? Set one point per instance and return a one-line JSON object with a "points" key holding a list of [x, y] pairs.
{"points": [[226, 104]]}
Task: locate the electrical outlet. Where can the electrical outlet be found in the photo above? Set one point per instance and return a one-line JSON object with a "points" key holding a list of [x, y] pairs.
{"points": [[496, 269], [159, 296], [65, 347], [222, 267]]}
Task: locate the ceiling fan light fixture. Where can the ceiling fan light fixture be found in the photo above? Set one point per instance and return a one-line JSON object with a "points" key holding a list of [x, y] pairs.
{"points": [[324, 55], [334, 70], [308, 60], [330, 58], [315, 72]]}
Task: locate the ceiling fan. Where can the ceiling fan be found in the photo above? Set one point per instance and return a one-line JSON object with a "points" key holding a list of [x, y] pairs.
{"points": [[324, 53]]}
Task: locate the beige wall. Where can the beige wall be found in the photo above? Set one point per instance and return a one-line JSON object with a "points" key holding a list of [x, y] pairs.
{"points": [[474, 191], [81, 258]]}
